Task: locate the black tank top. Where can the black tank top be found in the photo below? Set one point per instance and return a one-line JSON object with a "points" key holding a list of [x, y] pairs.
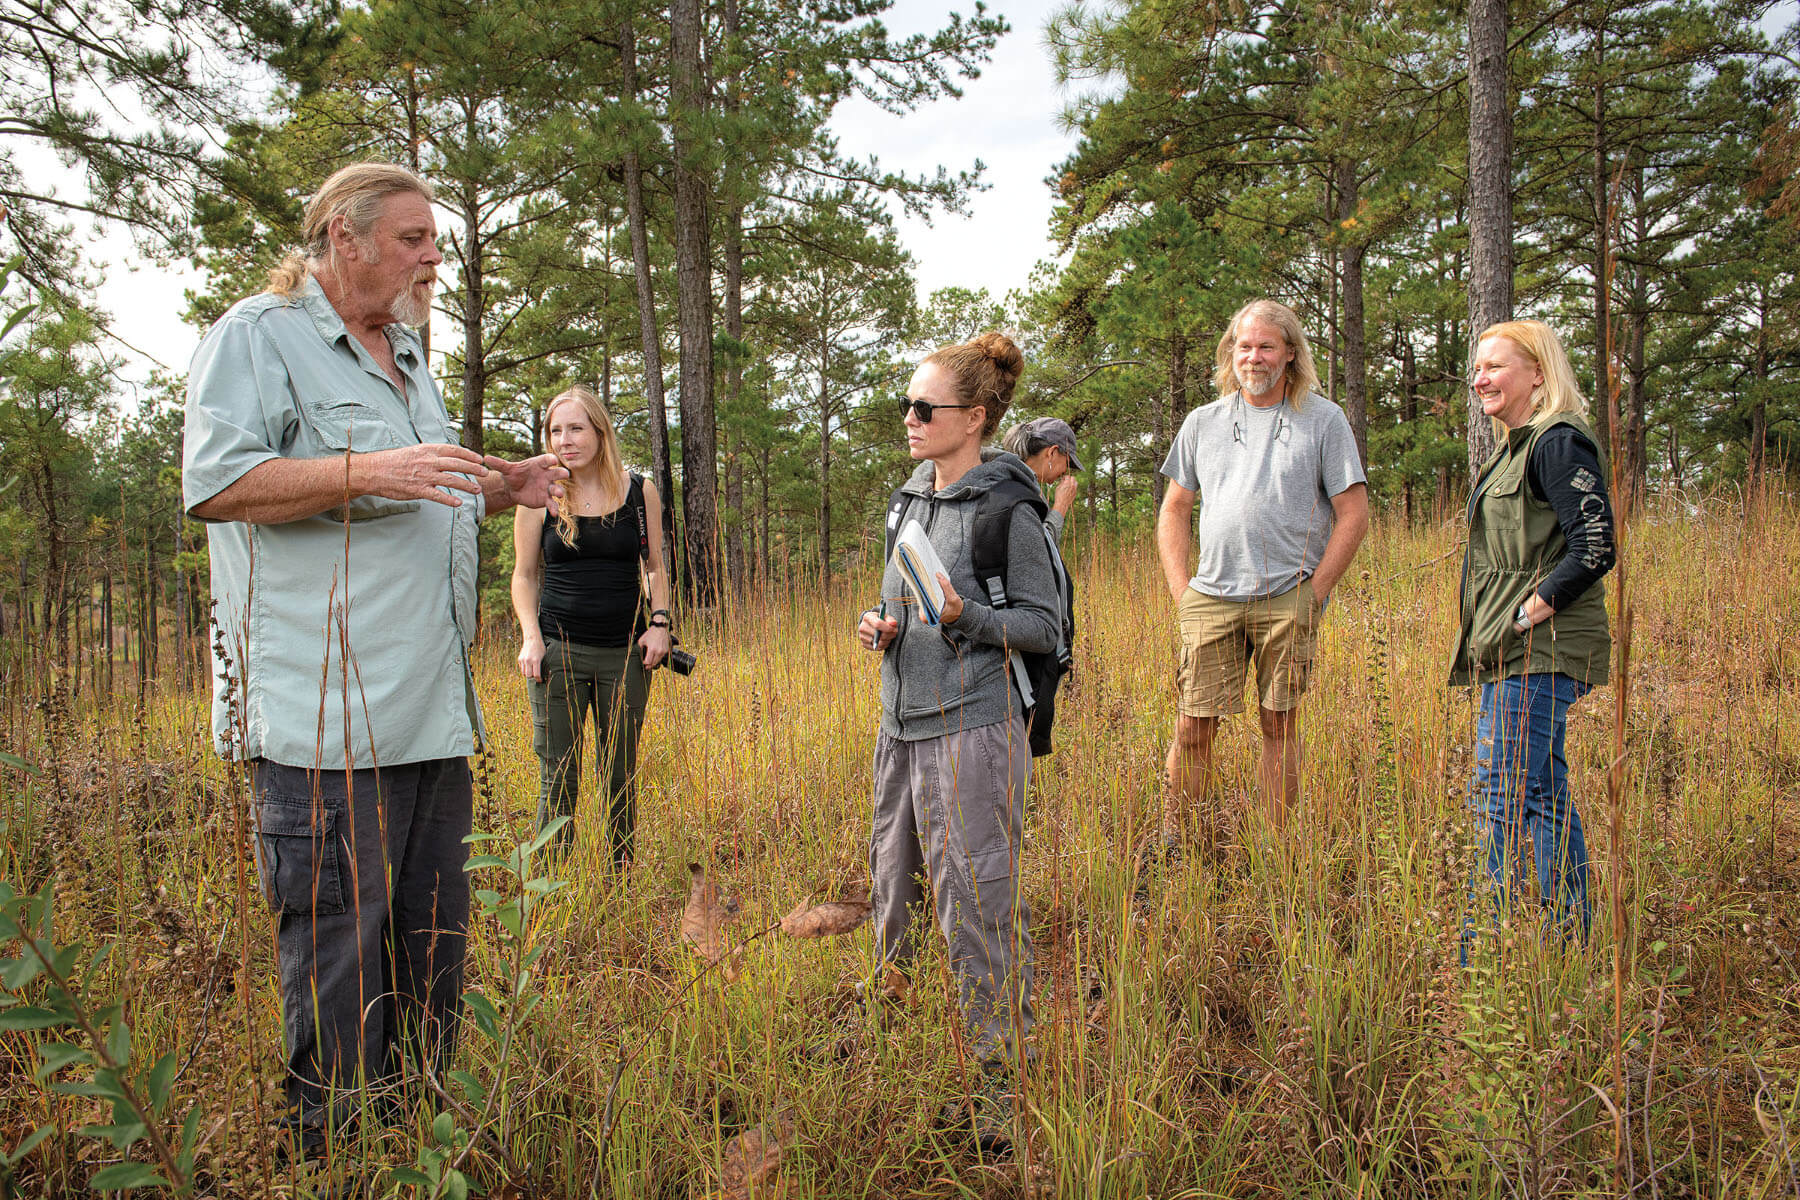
{"points": [[590, 593]]}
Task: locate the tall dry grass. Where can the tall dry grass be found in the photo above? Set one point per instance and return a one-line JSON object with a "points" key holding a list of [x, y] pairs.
{"points": [[1286, 1017]]}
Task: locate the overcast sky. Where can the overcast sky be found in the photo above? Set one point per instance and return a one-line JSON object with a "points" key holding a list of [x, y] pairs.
{"points": [[1007, 119]]}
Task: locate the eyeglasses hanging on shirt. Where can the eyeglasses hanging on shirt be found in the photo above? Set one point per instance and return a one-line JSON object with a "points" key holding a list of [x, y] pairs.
{"points": [[1283, 431]]}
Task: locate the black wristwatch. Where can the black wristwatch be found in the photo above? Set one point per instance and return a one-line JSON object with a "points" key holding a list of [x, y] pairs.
{"points": [[662, 624]]}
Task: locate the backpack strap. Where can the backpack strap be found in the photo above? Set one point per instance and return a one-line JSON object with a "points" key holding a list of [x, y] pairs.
{"points": [[992, 531], [896, 510], [640, 506], [988, 548]]}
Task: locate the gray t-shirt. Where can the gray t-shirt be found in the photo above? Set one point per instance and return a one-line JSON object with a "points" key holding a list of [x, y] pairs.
{"points": [[1264, 479]]}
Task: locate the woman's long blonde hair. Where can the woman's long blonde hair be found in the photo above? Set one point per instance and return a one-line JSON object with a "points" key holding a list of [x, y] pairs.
{"points": [[1559, 392], [611, 464]]}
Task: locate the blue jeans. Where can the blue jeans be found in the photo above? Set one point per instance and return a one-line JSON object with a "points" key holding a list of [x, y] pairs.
{"points": [[1520, 797]]}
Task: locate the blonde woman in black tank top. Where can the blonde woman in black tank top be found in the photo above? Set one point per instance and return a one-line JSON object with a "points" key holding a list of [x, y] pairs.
{"points": [[580, 576]]}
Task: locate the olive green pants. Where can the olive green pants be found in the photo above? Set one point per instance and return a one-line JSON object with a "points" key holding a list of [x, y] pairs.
{"points": [[610, 684]]}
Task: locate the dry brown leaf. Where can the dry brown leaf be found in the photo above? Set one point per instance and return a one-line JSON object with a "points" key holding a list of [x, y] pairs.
{"points": [[896, 984], [747, 1168], [703, 921], [825, 920]]}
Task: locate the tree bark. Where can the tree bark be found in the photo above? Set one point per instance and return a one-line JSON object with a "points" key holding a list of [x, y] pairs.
{"points": [[763, 509], [1633, 436], [1490, 195], [1759, 402], [735, 567], [1602, 267], [1355, 333], [1409, 414], [824, 461], [654, 400], [693, 282], [474, 352], [415, 137]]}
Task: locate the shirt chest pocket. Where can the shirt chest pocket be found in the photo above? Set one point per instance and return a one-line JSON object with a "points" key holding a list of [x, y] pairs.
{"points": [[1503, 516], [342, 426]]}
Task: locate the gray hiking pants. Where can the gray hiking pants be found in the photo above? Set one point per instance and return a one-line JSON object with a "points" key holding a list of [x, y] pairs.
{"points": [[950, 814]]}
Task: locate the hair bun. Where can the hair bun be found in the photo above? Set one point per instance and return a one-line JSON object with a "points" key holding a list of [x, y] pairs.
{"points": [[1003, 352]]}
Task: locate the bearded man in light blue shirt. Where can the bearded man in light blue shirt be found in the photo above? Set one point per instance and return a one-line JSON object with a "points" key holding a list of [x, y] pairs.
{"points": [[342, 533]]}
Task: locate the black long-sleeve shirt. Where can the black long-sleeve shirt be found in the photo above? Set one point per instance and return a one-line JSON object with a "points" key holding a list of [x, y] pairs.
{"points": [[1565, 473]]}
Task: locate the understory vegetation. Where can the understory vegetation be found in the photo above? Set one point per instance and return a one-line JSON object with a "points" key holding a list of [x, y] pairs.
{"points": [[1280, 1014]]}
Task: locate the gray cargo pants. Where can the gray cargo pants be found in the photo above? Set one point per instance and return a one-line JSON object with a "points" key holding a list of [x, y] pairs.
{"points": [[952, 809], [374, 907]]}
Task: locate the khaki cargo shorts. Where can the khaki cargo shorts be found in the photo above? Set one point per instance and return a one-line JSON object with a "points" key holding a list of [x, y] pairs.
{"points": [[1219, 638]]}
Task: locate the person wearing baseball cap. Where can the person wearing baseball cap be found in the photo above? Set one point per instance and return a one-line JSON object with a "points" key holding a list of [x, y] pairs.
{"points": [[1047, 445]]}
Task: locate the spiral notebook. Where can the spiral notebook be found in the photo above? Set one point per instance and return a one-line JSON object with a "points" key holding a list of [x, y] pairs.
{"points": [[919, 568]]}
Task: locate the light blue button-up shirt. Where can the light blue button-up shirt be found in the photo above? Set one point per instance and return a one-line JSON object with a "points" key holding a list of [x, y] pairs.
{"points": [[347, 633]]}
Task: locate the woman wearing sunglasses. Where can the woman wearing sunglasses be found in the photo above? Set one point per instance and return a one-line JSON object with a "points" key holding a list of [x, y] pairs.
{"points": [[952, 762]]}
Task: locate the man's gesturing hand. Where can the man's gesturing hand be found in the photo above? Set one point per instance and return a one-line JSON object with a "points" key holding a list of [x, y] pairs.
{"points": [[529, 483], [416, 473]]}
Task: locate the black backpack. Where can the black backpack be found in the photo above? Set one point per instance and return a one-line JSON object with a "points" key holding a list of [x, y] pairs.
{"points": [[1037, 675]]}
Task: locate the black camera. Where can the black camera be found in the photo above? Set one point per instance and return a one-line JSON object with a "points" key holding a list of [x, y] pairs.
{"points": [[680, 662]]}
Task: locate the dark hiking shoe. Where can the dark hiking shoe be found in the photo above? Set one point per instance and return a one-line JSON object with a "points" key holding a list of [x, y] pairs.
{"points": [[297, 1147], [986, 1118]]}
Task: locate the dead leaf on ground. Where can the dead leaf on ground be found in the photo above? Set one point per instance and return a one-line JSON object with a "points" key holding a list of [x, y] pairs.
{"points": [[896, 984], [703, 921], [747, 1168], [825, 920]]}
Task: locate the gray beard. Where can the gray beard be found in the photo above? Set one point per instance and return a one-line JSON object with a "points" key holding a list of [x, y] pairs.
{"points": [[408, 311], [1257, 383]]}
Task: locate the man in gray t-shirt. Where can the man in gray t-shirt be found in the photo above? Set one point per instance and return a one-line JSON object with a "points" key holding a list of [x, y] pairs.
{"points": [[1273, 470]]}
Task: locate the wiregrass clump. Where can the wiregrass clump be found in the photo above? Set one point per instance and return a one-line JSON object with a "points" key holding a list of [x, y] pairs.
{"points": [[1286, 1017]]}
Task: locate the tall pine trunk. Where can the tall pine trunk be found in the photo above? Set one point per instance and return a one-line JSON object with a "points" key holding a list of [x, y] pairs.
{"points": [[824, 458], [650, 336], [1601, 408], [1759, 397], [735, 569], [693, 282], [474, 352], [1355, 332], [1490, 195], [1409, 413], [1634, 470]]}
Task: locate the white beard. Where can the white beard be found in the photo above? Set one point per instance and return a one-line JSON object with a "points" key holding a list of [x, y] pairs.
{"points": [[1257, 380], [409, 309]]}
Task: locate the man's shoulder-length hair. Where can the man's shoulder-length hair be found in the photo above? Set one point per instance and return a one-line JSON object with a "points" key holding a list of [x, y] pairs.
{"points": [[355, 193], [1302, 376]]}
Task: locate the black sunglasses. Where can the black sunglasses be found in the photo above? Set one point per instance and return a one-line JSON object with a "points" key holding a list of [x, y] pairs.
{"points": [[923, 409]]}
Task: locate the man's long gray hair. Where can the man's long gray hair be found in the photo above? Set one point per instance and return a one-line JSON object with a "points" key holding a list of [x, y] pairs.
{"points": [[355, 193]]}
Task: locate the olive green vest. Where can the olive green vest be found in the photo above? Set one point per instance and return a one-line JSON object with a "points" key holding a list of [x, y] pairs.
{"points": [[1515, 541]]}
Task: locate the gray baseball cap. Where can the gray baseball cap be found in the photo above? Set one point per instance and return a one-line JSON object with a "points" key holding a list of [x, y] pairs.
{"points": [[1056, 431]]}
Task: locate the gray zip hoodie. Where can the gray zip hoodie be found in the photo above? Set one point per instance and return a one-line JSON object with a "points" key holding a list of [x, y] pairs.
{"points": [[955, 677]]}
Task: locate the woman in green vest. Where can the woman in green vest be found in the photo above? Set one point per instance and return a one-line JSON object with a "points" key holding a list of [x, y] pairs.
{"points": [[1534, 634]]}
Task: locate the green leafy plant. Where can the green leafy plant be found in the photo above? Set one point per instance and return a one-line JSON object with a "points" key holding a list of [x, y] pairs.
{"points": [[481, 1113], [51, 992]]}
